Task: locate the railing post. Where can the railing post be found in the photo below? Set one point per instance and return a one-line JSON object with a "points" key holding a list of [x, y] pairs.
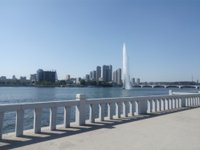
{"points": [[180, 102], [169, 104], [156, 105], [150, 106], [142, 106], [125, 109], [37, 120], [189, 102], [163, 102], [80, 109], [19, 122], [110, 110], [1, 124], [166, 104], [173, 103], [102, 112], [67, 113], [160, 105], [92, 113], [195, 101], [118, 109], [52, 122], [132, 108], [136, 108]]}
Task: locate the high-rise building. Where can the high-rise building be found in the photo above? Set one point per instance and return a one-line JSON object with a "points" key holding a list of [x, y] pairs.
{"points": [[33, 77], [98, 73], [110, 73], [93, 75], [68, 77], [107, 73], [117, 76], [87, 77], [138, 80], [49, 76], [3, 78], [14, 77], [133, 80]]}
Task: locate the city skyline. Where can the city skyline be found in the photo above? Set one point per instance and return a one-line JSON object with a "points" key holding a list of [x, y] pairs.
{"points": [[73, 37]]}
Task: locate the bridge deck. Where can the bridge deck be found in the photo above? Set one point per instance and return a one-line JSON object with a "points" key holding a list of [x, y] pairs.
{"points": [[174, 131]]}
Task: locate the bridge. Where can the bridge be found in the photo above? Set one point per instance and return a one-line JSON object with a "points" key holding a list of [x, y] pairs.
{"points": [[165, 86]]}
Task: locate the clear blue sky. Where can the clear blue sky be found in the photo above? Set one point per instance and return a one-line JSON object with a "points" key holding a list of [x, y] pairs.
{"points": [[74, 36]]}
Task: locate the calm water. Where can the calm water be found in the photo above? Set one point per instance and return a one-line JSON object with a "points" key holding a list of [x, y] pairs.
{"points": [[30, 94]]}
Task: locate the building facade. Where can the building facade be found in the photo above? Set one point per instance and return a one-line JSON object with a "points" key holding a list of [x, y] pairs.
{"points": [[117, 77], [46, 76], [98, 73]]}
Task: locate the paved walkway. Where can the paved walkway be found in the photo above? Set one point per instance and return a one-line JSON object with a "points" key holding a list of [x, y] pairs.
{"points": [[175, 131]]}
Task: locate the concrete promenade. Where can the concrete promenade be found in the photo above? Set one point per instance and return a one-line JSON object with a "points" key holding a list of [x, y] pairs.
{"points": [[166, 131]]}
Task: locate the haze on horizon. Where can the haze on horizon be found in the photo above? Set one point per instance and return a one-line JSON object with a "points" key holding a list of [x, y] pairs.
{"points": [[74, 36]]}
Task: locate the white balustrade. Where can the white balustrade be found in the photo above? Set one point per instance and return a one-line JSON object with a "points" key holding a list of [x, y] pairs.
{"points": [[114, 107]]}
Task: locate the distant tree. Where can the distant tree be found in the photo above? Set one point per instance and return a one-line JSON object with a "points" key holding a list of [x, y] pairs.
{"points": [[82, 82]]}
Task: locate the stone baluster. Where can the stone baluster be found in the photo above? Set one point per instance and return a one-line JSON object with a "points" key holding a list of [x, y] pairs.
{"points": [[175, 103], [132, 108], [149, 106], [67, 114], [170, 103], [37, 120], [189, 102], [136, 108], [166, 104], [1, 124], [179, 101], [110, 110], [92, 113], [102, 111], [52, 120], [142, 106], [156, 105], [80, 109], [159, 105], [118, 109], [125, 109], [195, 101], [19, 128]]}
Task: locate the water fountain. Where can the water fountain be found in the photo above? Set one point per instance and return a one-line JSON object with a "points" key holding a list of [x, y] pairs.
{"points": [[125, 70]]}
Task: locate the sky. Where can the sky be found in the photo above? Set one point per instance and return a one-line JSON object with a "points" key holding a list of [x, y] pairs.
{"points": [[74, 36]]}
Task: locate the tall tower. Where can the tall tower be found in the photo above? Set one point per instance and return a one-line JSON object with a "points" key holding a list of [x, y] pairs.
{"points": [[125, 71]]}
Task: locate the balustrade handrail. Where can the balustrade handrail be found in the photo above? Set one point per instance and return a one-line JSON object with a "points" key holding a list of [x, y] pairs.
{"points": [[123, 106]]}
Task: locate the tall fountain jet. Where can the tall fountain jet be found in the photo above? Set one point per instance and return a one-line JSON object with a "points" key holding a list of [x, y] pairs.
{"points": [[125, 70]]}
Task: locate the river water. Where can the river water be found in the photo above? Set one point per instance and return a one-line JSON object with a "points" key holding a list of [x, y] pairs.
{"points": [[10, 95]]}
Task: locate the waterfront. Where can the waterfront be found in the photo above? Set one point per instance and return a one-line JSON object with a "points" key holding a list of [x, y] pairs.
{"points": [[24, 94]]}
